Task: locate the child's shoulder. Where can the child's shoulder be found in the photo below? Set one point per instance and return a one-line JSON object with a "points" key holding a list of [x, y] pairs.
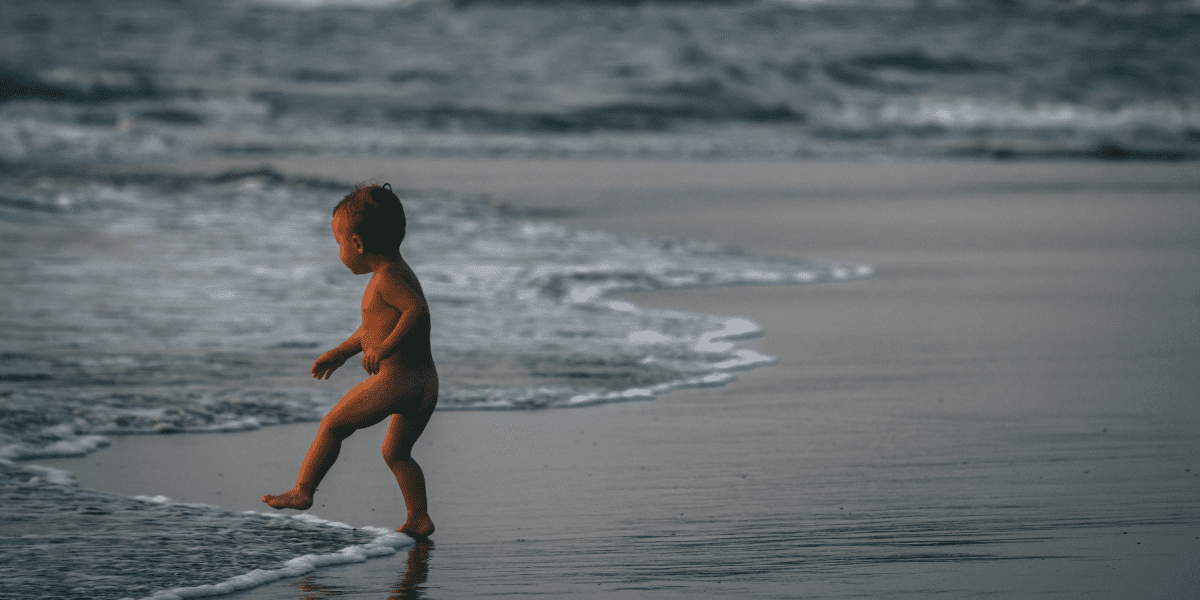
{"points": [[399, 282]]}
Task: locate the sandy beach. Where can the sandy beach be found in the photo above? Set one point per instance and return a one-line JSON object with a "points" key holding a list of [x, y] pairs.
{"points": [[1007, 409]]}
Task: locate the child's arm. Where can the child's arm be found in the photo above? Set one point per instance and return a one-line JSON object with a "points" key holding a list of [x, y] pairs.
{"points": [[330, 361], [412, 309]]}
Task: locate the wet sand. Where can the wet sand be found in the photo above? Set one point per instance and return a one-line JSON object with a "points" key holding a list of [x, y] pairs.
{"points": [[1008, 409]]}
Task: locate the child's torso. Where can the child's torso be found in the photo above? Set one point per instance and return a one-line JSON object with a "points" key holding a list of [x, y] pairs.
{"points": [[379, 319]]}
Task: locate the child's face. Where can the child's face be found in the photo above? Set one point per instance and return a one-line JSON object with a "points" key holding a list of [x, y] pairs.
{"points": [[350, 246]]}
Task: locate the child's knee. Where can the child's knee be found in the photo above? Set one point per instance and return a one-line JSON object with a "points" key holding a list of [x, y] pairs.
{"points": [[332, 426], [394, 455]]}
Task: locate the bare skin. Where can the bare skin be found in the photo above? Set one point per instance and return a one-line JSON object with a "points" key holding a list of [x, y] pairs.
{"points": [[403, 383]]}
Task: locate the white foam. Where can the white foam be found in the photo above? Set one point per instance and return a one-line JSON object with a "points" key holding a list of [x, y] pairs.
{"points": [[711, 380], [585, 294], [51, 475], [969, 113], [598, 398], [315, 520], [737, 327], [648, 337], [745, 359], [75, 446], [622, 306], [386, 543], [154, 499], [246, 424], [764, 277], [734, 328], [66, 448], [62, 430]]}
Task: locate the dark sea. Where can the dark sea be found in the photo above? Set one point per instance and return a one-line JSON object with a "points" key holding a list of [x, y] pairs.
{"points": [[778, 79], [158, 304]]}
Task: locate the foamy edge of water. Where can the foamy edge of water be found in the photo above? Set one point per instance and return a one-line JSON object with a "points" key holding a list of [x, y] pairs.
{"points": [[386, 543]]}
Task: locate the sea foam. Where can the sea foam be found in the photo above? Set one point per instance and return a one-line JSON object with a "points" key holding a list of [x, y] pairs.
{"points": [[63, 541], [386, 543]]}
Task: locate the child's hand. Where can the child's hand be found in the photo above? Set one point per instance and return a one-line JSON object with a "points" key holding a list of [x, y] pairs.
{"points": [[327, 364], [371, 359]]}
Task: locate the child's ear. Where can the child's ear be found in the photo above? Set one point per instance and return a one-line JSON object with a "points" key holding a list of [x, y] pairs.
{"points": [[358, 243]]}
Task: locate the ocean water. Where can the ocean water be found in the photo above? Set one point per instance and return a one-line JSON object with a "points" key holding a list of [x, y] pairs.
{"points": [[778, 79], [64, 542]]}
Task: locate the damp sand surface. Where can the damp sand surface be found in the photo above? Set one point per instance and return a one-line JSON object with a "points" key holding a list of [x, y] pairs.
{"points": [[1007, 409]]}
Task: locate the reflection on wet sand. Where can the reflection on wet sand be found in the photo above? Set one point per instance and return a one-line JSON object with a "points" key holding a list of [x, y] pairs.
{"points": [[413, 584], [410, 587]]}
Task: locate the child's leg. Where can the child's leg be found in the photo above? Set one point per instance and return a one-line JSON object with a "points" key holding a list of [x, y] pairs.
{"points": [[367, 404], [402, 434]]}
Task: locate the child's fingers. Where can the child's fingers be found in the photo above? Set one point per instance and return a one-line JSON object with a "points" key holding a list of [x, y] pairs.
{"points": [[322, 371]]}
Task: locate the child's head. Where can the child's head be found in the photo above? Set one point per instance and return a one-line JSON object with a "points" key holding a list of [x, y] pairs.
{"points": [[375, 214]]}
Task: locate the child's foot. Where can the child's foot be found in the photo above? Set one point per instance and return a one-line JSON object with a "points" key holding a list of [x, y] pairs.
{"points": [[296, 498], [417, 528]]}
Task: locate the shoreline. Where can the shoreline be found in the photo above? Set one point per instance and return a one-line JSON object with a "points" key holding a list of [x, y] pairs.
{"points": [[986, 416]]}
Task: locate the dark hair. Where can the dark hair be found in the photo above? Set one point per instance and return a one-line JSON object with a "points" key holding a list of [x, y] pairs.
{"points": [[376, 215]]}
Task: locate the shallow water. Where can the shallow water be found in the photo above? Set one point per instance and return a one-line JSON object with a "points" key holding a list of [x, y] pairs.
{"points": [[160, 305], [198, 306], [60, 541]]}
